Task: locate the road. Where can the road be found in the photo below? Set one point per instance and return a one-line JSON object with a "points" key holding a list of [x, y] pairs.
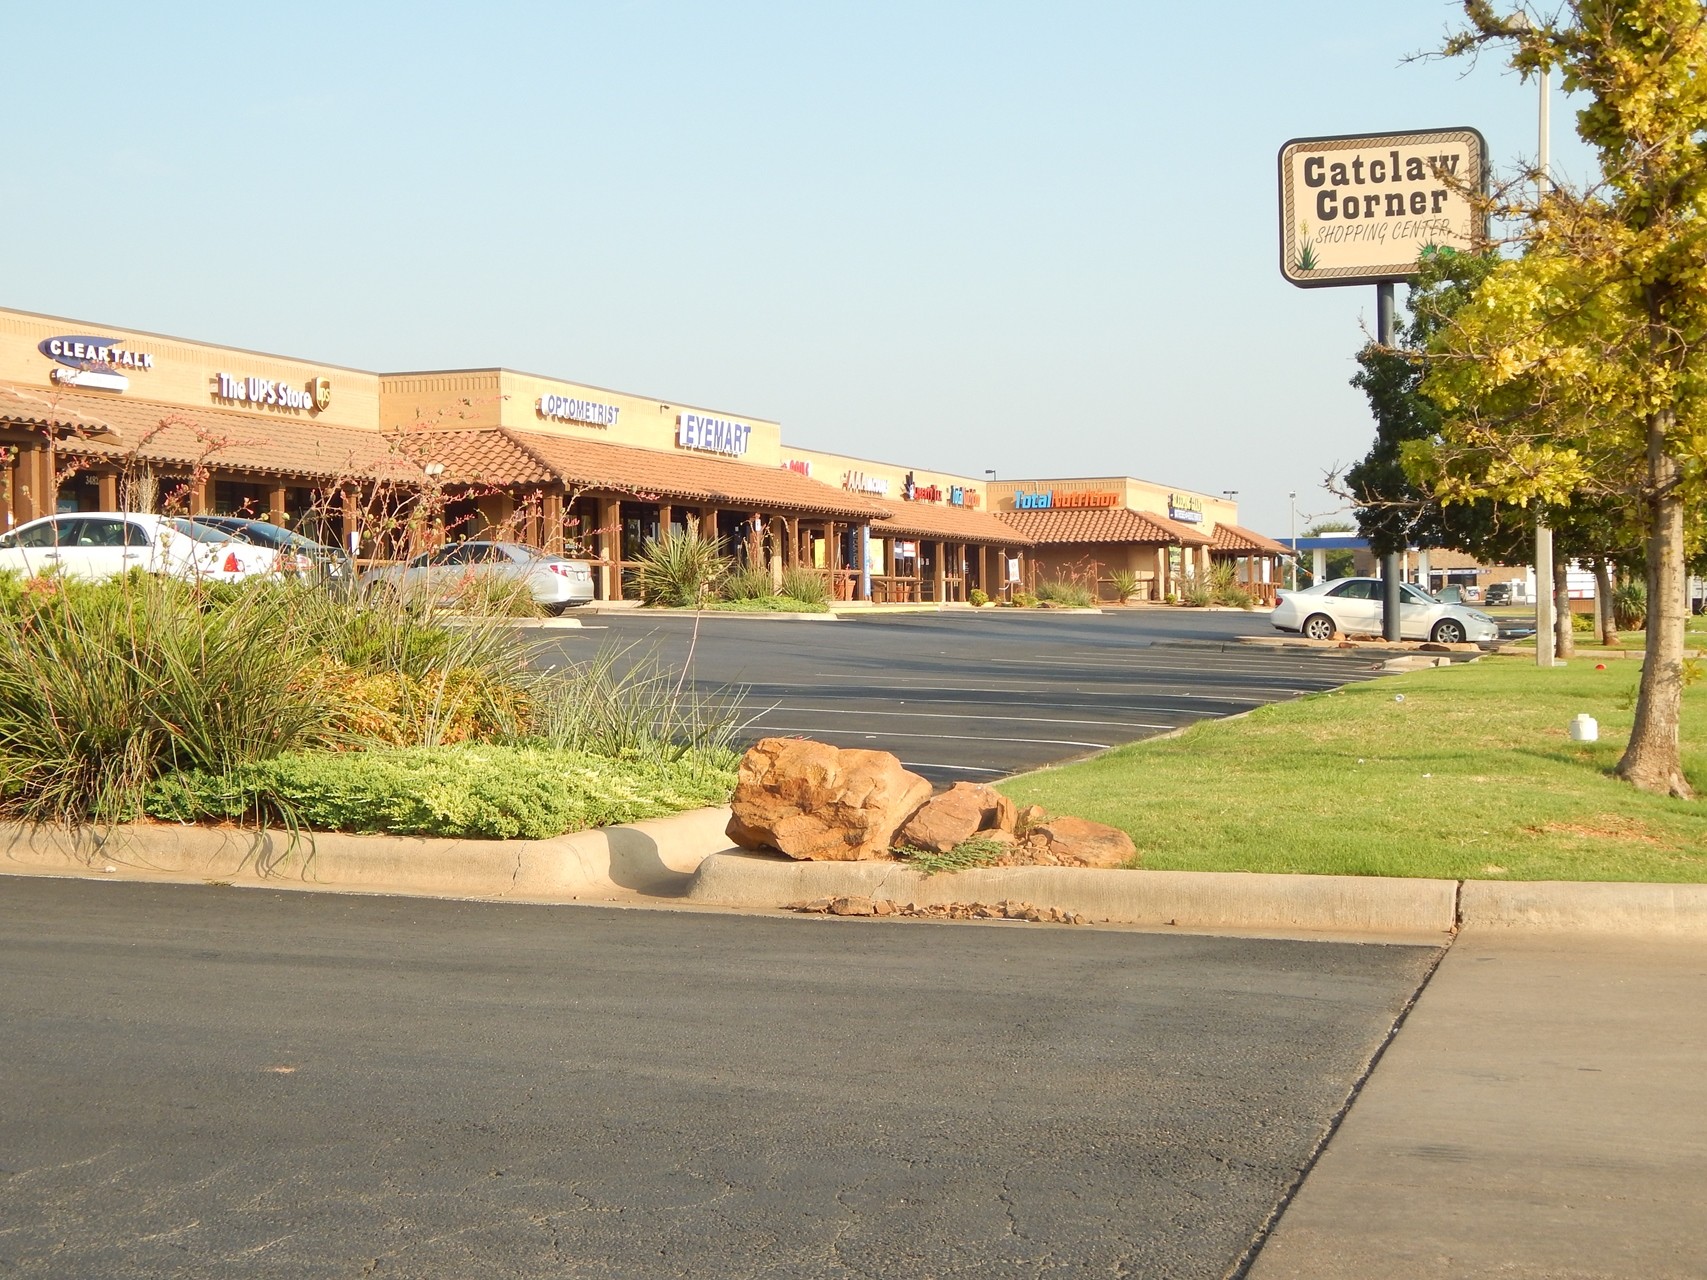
{"points": [[977, 696], [221, 1082]]}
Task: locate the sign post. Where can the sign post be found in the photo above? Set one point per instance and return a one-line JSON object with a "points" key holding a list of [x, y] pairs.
{"points": [[1366, 208]]}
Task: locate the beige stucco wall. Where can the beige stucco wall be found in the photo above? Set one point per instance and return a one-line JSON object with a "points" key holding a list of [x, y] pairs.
{"points": [[837, 470], [1132, 493], [185, 373], [494, 397]]}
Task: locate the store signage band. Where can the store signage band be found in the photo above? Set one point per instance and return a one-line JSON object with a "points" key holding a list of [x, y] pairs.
{"points": [[568, 409], [860, 482], [1363, 208], [314, 396], [97, 363], [712, 435], [800, 466], [1185, 508], [1052, 500]]}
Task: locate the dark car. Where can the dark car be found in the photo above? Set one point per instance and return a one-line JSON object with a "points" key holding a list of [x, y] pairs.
{"points": [[297, 552], [1497, 593]]}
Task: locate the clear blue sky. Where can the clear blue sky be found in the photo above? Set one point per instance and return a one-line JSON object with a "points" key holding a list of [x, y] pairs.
{"points": [[1035, 238]]}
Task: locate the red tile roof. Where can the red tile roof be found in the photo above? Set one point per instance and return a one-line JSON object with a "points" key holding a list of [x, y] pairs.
{"points": [[687, 477], [227, 439], [1092, 525], [1234, 540], [955, 524]]}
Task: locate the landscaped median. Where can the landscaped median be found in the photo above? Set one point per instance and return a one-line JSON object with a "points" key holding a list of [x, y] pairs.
{"points": [[1458, 773]]}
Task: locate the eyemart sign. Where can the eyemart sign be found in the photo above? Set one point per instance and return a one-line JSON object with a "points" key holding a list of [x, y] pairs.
{"points": [[1366, 207]]}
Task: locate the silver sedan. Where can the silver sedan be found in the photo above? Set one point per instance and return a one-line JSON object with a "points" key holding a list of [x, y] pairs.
{"points": [[1353, 606], [556, 583]]}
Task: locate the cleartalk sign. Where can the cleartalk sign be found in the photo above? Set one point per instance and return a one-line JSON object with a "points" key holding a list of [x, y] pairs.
{"points": [[1367, 207]]}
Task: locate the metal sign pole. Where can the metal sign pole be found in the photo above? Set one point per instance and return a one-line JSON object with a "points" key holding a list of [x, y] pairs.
{"points": [[1387, 333]]}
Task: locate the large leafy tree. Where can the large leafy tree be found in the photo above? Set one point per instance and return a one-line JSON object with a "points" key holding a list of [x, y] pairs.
{"points": [[1578, 370]]}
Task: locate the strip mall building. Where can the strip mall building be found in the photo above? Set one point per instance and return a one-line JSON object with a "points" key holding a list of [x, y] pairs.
{"points": [[90, 414]]}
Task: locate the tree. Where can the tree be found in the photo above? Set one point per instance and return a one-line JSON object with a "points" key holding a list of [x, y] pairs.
{"points": [[1578, 369]]}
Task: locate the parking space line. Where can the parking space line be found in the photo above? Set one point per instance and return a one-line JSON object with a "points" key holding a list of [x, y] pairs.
{"points": [[947, 737], [952, 715]]}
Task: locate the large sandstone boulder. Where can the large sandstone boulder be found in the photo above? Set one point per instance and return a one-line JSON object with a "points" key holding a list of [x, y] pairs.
{"points": [[1081, 842], [819, 803], [956, 816]]}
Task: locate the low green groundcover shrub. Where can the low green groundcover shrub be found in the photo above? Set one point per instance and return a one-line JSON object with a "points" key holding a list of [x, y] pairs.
{"points": [[484, 792], [768, 604]]}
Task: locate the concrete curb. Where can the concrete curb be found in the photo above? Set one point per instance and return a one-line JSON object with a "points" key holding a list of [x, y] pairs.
{"points": [[651, 859], [1184, 899], [1558, 906]]}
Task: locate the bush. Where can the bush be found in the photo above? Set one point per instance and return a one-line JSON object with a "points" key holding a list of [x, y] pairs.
{"points": [[1195, 592], [485, 792], [806, 585], [1125, 583], [767, 604], [106, 687], [680, 569], [1630, 606], [1025, 600], [747, 582], [977, 598], [1065, 593], [491, 596]]}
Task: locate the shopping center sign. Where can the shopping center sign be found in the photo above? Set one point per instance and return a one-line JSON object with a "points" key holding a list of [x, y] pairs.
{"points": [[712, 435], [85, 361], [1365, 208]]}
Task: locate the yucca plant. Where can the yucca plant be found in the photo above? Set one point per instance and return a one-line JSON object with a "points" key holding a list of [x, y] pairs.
{"points": [[1630, 606], [680, 569], [1125, 583]]}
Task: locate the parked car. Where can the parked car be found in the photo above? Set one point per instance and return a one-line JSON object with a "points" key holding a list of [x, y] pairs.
{"points": [[1353, 606], [296, 553], [556, 582], [1459, 595], [103, 544], [1497, 593]]}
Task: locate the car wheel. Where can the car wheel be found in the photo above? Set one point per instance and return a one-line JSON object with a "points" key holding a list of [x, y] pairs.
{"points": [[1448, 631], [1318, 626], [557, 609]]}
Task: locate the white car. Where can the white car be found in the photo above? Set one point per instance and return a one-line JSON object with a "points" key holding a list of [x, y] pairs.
{"points": [[1353, 606], [104, 544], [556, 583]]}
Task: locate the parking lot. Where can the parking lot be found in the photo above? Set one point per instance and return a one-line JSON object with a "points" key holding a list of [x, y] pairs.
{"points": [[966, 695]]}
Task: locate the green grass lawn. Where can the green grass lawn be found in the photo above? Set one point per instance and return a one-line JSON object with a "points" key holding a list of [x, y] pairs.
{"points": [[1471, 776]]}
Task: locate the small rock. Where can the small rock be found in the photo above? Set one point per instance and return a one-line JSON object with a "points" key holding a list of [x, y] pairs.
{"points": [[855, 904], [1078, 841]]}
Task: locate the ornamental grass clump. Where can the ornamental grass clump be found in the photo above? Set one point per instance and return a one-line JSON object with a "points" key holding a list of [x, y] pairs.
{"points": [[805, 585], [747, 582], [1066, 594]]}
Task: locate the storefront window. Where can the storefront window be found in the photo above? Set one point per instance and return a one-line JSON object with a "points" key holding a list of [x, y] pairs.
{"points": [[639, 525]]}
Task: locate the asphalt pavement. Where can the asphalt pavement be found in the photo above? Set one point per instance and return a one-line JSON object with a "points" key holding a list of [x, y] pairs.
{"points": [[221, 1082], [975, 695]]}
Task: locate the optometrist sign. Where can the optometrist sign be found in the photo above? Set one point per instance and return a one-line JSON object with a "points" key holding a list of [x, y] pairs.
{"points": [[1366, 208]]}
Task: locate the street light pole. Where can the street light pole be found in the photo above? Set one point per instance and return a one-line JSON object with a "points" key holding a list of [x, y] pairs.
{"points": [[1292, 502]]}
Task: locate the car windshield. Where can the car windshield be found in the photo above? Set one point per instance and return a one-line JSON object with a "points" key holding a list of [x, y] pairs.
{"points": [[1425, 597], [197, 532]]}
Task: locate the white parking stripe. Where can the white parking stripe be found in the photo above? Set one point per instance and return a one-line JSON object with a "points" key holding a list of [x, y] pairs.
{"points": [[943, 737], [958, 768], [950, 715]]}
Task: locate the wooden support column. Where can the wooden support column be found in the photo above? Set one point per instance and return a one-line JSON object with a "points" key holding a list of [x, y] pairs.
{"points": [[708, 522], [610, 548], [352, 519], [940, 580], [665, 512], [276, 499], [107, 490], [551, 515]]}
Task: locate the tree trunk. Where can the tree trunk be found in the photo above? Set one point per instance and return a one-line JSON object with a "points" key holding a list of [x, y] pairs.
{"points": [[1654, 759], [1603, 603], [1564, 631]]}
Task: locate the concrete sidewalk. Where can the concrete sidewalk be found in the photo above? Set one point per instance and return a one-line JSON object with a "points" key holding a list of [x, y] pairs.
{"points": [[1541, 1113]]}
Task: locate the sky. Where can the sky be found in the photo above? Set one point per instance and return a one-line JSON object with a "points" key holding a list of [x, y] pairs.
{"points": [[1039, 239]]}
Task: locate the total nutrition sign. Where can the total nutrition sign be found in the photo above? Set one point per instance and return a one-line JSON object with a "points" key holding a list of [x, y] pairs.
{"points": [[1366, 207]]}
